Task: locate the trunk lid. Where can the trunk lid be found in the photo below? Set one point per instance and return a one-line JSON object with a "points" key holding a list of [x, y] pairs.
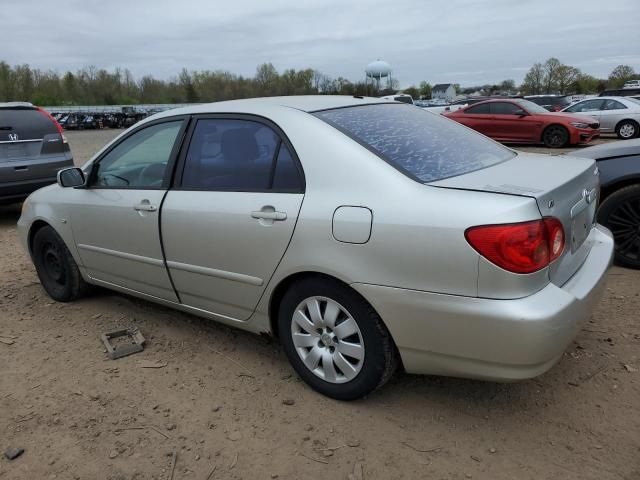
{"points": [[564, 187]]}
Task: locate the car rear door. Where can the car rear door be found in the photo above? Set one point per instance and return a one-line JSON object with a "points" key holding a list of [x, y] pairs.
{"points": [[31, 145], [115, 220], [612, 112], [229, 219]]}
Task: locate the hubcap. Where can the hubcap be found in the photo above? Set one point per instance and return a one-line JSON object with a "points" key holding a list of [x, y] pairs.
{"points": [[327, 339], [624, 223], [627, 130]]}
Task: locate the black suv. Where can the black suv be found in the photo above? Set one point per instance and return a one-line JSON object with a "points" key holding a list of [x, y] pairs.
{"points": [[32, 150]]}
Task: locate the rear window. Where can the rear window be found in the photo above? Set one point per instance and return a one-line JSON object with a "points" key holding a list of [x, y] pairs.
{"points": [[425, 146], [26, 123]]}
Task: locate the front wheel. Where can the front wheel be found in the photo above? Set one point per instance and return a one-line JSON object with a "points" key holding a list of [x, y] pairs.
{"points": [[620, 213], [555, 136], [627, 129], [56, 268], [334, 339]]}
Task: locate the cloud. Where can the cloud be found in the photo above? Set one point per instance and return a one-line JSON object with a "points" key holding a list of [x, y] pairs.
{"points": [[459, 41]]}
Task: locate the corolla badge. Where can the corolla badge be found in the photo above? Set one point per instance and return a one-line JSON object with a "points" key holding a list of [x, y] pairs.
{"points": [[13, 137]]}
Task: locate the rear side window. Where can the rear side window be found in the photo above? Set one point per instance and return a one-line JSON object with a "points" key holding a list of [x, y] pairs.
{"points": [[425, 146], [26, 123], [238, 155]]}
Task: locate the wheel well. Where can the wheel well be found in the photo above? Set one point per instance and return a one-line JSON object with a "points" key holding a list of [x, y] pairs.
{"points": [[609, 189], [625, 120], [35, 227], [281, 289]]}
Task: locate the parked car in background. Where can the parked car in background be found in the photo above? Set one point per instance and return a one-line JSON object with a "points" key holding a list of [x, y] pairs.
{"points": [[552, 103], [619, 165], [400, 97], [619, 115], [32, 150], [461, 103], [71, 122], [621, 92], [632, 84], [267, 214], [522, 121]]}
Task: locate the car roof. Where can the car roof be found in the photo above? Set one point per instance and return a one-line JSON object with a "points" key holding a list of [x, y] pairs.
{"points": [[611, 149], [25, 105], [305, 103]]}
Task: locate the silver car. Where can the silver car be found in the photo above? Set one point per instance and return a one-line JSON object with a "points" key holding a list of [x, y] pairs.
{"points": [[364, 234], [619, 115]]}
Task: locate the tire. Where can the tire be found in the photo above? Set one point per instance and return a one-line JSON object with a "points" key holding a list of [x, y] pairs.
{"points": [[56, 268], [357, 377], [620, 213], [555, 136], [627, 129]]}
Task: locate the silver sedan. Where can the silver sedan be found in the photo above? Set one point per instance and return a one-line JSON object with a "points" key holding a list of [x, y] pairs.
{"points": [[619, 115], [364, 234]]}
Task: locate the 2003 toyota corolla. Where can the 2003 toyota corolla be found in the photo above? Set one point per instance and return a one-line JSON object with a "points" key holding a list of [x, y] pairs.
{"points": [[363, 233]]}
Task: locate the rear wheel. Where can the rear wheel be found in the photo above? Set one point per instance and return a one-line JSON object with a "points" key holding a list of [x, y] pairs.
{"points": [[620, 213], [334, 339], [627, 129], [555, 136], [56, 268]]}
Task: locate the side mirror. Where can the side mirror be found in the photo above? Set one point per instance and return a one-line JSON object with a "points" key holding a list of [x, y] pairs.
{"points": [[71, 177]]}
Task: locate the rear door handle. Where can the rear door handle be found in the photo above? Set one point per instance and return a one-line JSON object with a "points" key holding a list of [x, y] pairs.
{"points": [[275, 216], [145, 207]]}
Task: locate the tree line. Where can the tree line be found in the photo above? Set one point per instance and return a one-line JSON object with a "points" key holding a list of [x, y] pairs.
{"points": [[94, 86]]}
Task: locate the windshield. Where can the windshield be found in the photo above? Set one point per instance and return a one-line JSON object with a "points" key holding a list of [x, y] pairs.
{"points": [[425, 146], [531, 107]]}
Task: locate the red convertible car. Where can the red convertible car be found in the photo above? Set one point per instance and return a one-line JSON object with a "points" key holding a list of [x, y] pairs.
{"points": [[522, 121]]}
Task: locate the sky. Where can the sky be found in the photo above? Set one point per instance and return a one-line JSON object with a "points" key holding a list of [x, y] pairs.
{"points": [[470, 42]]}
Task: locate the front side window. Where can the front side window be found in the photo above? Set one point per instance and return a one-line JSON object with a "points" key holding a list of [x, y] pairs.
{"points": [[425, 146], [505, 108], [140, 160], [586, 106], [237, 155], [483, 109]]}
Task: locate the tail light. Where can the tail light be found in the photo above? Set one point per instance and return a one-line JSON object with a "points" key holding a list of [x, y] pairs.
{"points": [[519, 247], [48, 115]]}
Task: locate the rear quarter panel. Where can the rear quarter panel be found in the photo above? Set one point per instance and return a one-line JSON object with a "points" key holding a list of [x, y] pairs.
{"points": [[417, 240]]}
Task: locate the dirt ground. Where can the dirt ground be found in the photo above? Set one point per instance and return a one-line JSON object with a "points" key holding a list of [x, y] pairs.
{"points": [[230, 407]]}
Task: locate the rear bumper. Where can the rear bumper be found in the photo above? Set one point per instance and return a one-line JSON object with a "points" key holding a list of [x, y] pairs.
{"points": [[492, 339]]}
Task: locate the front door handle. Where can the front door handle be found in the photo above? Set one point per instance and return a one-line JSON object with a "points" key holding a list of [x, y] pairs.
{"points": [[268, 215], [145, 206]]}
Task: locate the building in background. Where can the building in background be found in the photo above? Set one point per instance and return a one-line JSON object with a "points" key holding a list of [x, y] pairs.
{"points": [[443, 91]]}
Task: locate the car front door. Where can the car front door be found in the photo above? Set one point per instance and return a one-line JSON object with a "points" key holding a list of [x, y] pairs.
{"points": [[115, 219], [229, 219], [591, 108], [612, 112], [510, 122]]}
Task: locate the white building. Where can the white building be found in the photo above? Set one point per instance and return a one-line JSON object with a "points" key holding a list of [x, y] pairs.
{"points": [[443, 91]]}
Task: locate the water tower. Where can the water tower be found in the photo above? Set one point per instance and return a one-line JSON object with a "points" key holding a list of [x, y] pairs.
{"points": [[378, 70]]}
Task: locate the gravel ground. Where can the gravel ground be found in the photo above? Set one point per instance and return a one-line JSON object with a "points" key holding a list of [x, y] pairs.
{"points": [[229, 406]]}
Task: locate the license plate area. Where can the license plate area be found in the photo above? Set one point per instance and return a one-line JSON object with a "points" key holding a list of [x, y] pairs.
{"points": [[580, 228]]}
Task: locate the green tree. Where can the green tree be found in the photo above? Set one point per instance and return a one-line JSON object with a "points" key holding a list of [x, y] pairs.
{"points": [[533, 83], [620, 75]]}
